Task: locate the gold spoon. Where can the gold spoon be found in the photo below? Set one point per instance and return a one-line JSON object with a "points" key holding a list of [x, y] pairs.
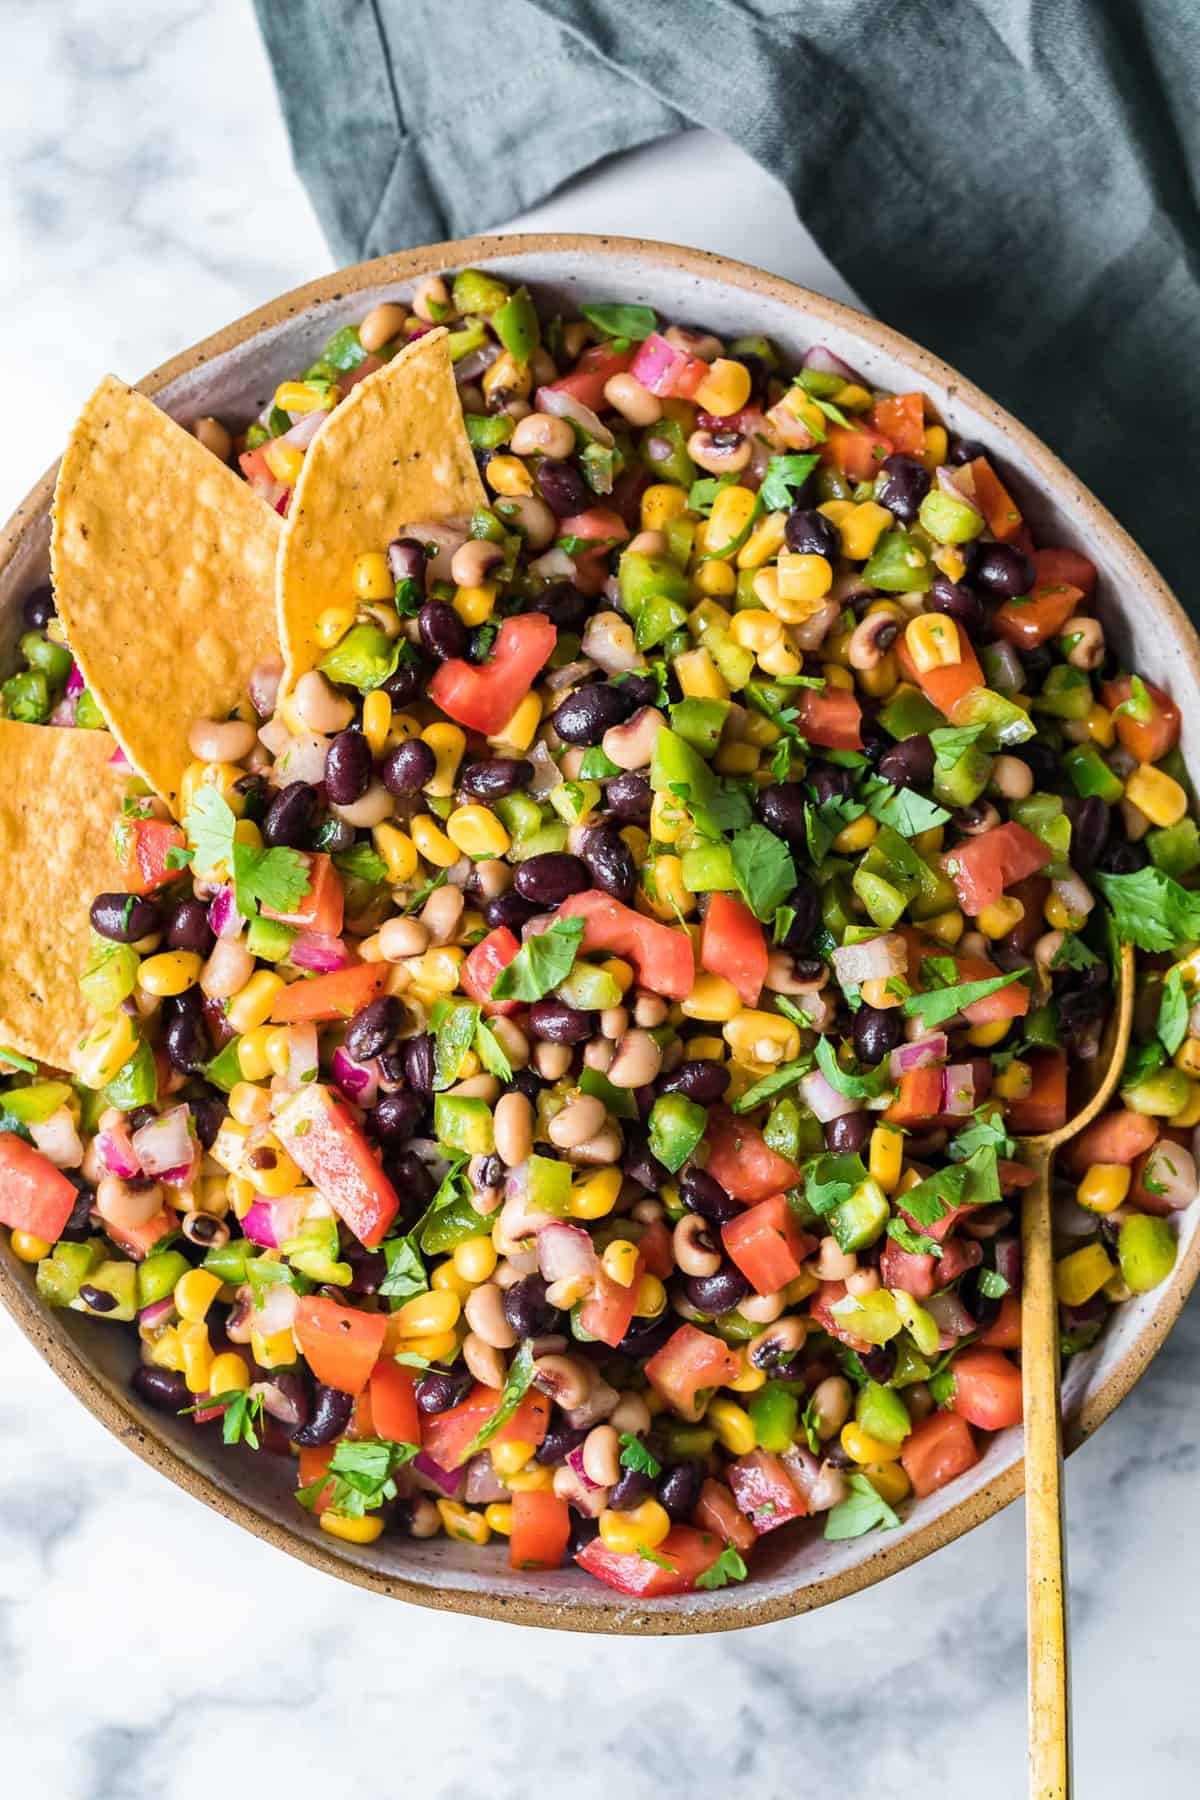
{"points": [[1049, 1692]]}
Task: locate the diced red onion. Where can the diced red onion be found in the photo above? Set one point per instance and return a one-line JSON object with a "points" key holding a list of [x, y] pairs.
{"points": [[824, 1100], [58, 1139], [1170, 1175], [562, 405], [575, 1463], [445, 1481], [115, 1147], [584, 1496], [546, 773], [118, 759], [223, 915], [934, 1047], [1008, 1261], [564, 1251], [600, 1402], [75, 682], [958, 485], [877, 959], [1005, 668], [553, 565], [278, 1310], [951, 1318], [568, 675], [317, 951], [475, 362], [358, 1081], [305, 429], [817, 1482], [63, 716], [159, 1313], [483, 1484], [183, 1174], [165, 1142], [822, 359], [274, 735], [1074, 893], [302, 759], [264, 685], [958, 1090], [258, 1224]]}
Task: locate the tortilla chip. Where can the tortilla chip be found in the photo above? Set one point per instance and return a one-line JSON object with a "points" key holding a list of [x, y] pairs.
{"points": [[59, 797], [163, 575], [395, 452]]}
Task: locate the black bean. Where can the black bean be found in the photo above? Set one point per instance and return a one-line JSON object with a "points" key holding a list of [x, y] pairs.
{"points": [[330, 1415], [208, 1117], [1043, 761], [850, 1132], [564, 606], [909, 763], [1003, 570], [185, 1034], [1120, 857], [124, 918], [1036, 663], [255, 795], [348, 766], [584, 1531], [557, 1023], [1089, 835], [394, 1117], [610, 862], [562, 487], [407, 562], [781, 807], [717, 1293], [98, 1299], [628, 798], [441, 1389], [679, 1490], [141, 1115], [809, 533], [958, 602], [419, 1064], [964, 450], [78, 1227], [877, 1031], [585, 715], [640, 690], [408, 767], [38, 608], [408, 683], [509, 909], [879, 1361], [442, 631], [983, 1308], [829, 782], [629, 1490], [638, 1161], [163, 1389], [645, 1336], [559, 1440], [412, 1181], [374, 1027], [805, 902], [702, 1193], [904, 485], [289, 818], [527, 1309], [188, 927], [333, 834], [701, 1078], [530, 1083], [492, 780], [550, 879]]}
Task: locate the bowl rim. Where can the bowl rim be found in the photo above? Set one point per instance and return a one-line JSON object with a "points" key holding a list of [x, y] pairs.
{"points": [[741, 1606]]}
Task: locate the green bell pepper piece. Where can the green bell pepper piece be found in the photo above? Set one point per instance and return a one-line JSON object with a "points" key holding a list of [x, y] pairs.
{"points": [[882, 1413], [549, 1188], [120, 1280], [229, 1261], [1158, 1095], [700, 722], [475, 292], [454, 1224], [837, 913], [1175, 849], [268, 939], [137, 1083], [910, 714], [88, 716], [658, 618], [619, 1101], [156, 1277], [540, 843], [589, 988], [708, 869], [642, 578], [960, 785], [676, 467], [676, 1126], [574, 800], [463, 1124], [774, 1412], [61, 1274], [883, 900], [36, 1102], [1146, 1250], [1005, 723], [861, 1217], [1091, 775], [469, 337], [519, 815], [364, 658], [899, 565], [225, 1069], [1066, 694], [40, 652], [484, 433], [27, 697], [948, 520], [516, 325], [1044, 815]]}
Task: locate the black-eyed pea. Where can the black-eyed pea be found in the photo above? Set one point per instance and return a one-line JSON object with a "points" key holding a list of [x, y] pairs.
{"points": [[381, 325], [319, 705], [650, 1011], [530, 516], [512, 1041], [566, 1379], [484, 1310], [694, 1247], [599, 1054], [625, 393], [614, 1022], [602, 1456], [541, 434], [830, 1405], [603, 1149], [513, 1127], [762, 1309], [221, 740], [630, 1414], [402, 938], [834, 1263], [484, 1361], [473, 561], [631, 746], [637, 1062], [431, 299], [213, 435]]}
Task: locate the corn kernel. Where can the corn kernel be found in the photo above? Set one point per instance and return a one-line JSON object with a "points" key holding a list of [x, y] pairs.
{"points": [[171, 972], [510, 1458], [643, 1528], [299, 397], [861, 1447], [519, 733], [712, 999], [252, 1005], [332, 626], [533, 1480], [462, 1522], [1080, 1276], [651, 1298], [664, 888], [755, 629], [619, 1261], [933, 642], [447, 743], [660, 504], [268, 1166], [856, 836], [997, 920], [229, 1373], [886, 1157], [621, 971], [595, 1196], [780, 659], [883, 992], [1013, 1083], [29, 1249], [732, 511], [102, 1052], [475, 1259], [250, 1105], [351, 1531], [699, 676], [285, 461], [725, 389], [764, 541], [447, 1276], [399, 852], [1058, 914], [196, 1353], [1188, 1115], [437, 968], [372, 578], [1104, 1187], [985, 1036], [475, 605], [509, 476], [195, 1293], [403, 727], [438, 1347], [715, 578], [377, 720], [733, 1426], [436, 1311], [946, 927], [1157, 794], [432, 843], [1100, 727], [1187, 1057], [936, 446], [241, 1194], [880, 681], [477, 832], [862, 529], [838, 677], [889, 1481], [748, 1379], [499, 1516]]}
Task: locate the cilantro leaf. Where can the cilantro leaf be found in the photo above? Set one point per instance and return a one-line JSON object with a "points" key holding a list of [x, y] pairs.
{"points": [[774, 1083], [243, 1412], [942, 1003], [276, 878], [15, 1060], [974, 1182], [406, 1274], [516, 1385], [782, 475], [361, 1472], [986, 1131], [864, 1510], [634, 1455], [808, 1423], [823, 823], [1073, 953], [950, 744], [915, 1242], [763, 869], [660, 1562], [596, 766], [1173, 1011], [703, 493], [361, 862], [490, 1053], [728, 1567], [992, 1284], [541, 963], [906, 811], [855, 1087], [422, 894], [210, 825], [831, 1178], [621, 319], [455, 1023], [1151, 910]]}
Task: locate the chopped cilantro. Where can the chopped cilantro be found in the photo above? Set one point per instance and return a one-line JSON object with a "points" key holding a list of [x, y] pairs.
{"points": [[541, 963]]}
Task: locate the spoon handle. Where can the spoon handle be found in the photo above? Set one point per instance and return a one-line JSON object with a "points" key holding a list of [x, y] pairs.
{"points": [[1049, 1695]]}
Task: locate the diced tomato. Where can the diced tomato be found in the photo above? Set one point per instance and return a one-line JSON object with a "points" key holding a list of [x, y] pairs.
{"points": [[1044, 1107], [607, 1313], [667, 371], [857, 451], [137, 1241], [821, 1307], [717, 1511], [921, 1274], [599, 525], [994, 500], [541, 1525], [1149, 741], [1011, 1002], [1042, 614], [143, 846], [946, 685], [1115, 1137], [767, 1244], [918, 1098], [936, 1450], [394, 1411], [656, 1248], [983, 867], [262, 478], [832, 719], [314, 1460], [448, 1436], [360, 371], [1142, 1196], [323, 907], [987, 1388], [732, 944], [1033, 893], [34, 1195], [587, 379], [941, 1228], [484, 699], [1013, 1176], [765, 1491], [742, 1161], [1004, 1332], [687, 1552], [661, 954], [335, 996], [320, 1134], [482, 969], [687, 1368], [1056, 563], [901, 417], [341, 1344]]}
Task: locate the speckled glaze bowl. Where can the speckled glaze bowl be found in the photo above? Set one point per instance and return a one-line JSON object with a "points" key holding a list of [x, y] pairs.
{"points": [[232, 375]]}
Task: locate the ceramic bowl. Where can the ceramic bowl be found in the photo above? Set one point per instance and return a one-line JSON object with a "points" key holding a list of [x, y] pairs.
{"points": [[232, 375]]}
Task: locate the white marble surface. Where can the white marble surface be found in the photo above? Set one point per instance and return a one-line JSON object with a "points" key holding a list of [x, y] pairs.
{"points": [[147, 1648]]}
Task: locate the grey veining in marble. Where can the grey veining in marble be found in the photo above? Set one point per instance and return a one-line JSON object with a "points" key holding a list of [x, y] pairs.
{"points": [[149, 1650]]}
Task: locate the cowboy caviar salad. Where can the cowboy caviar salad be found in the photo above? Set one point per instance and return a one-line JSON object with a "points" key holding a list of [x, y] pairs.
{"points": [[556, 1076]]}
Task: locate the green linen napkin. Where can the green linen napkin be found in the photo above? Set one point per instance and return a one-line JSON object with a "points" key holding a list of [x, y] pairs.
{"points": [[1011, 182]]}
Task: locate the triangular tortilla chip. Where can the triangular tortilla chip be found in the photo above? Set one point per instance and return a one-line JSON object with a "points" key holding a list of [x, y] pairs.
{"points": [[163, 565], [60, 795], [395, 452]]}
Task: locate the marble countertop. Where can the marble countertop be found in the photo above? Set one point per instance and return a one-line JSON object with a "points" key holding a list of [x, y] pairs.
{"points": [[148, 1648]]}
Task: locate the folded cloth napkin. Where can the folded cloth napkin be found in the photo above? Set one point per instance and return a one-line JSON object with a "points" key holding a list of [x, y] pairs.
{"points": [[1011, 182]]}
